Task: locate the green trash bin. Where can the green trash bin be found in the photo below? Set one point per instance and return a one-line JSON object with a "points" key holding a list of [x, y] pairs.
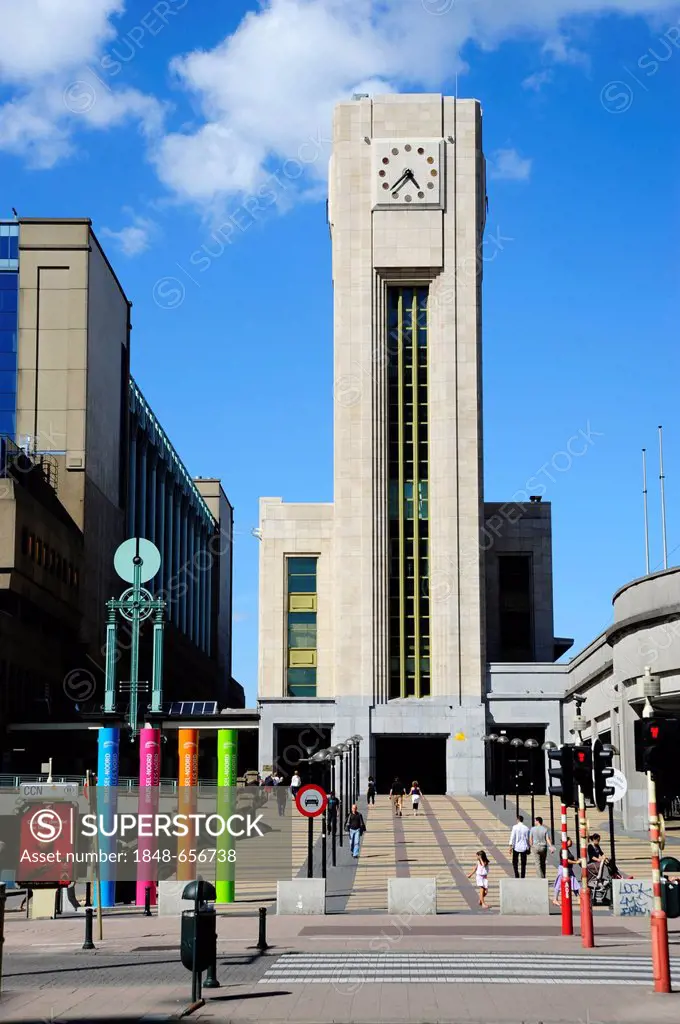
{"points": [[670, 897], [670, 865]]}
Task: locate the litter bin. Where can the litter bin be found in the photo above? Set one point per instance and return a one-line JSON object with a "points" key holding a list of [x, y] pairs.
{"points": [[670, 898], [198, 937]]}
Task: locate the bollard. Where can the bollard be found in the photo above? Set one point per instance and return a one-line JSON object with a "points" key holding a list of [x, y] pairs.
{"points": [[89, 914], [3, 898], [88, 894], [262, 943], [147, 901], [211, 975]]}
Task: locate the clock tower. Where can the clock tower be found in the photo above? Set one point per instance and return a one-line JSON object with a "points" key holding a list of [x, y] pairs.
{"points": [[371, 608]]}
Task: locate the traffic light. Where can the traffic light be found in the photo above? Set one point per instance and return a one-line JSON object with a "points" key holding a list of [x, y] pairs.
{"points": [[583, 770], [603, 769], [656, 744], [561, 774]]}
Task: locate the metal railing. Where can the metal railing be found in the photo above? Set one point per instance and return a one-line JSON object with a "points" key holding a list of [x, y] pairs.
{"points": [[15, 460]]}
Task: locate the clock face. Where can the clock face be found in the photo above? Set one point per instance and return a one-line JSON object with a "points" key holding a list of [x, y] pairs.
{"points": [[408, 173]]}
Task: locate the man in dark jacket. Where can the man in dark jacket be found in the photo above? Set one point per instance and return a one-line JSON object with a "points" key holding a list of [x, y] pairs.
{"points": [[356, 827]]}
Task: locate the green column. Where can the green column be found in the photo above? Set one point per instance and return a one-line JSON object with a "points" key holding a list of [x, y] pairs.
{"points": [[227, 749]]}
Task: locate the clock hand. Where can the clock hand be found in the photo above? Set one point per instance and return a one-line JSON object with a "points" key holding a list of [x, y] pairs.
{"points": [[398, 183], [412, 177]]}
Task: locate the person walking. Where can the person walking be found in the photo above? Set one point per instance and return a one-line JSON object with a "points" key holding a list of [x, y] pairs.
{"points": [[370, 790], [415, 794], [356, 826], [519, 846], [281, 796], [481, 873], [397, 795], [572, 861], [295, 784], [332, 811], [539, 841]]}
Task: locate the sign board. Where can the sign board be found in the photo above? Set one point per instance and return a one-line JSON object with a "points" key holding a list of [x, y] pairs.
{"points": [[619, 784], [46, 849], [49, 790], [311, 801]]}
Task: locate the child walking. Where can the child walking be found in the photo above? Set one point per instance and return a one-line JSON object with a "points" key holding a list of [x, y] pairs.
{"points": [[415, 794], [481, 873]]}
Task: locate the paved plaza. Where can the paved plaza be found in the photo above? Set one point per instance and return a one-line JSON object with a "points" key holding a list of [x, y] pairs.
{"points": [[357, 964]]}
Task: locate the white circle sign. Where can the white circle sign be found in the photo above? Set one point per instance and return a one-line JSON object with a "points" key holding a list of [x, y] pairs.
{"points": [[619, 784], [126, 555]]}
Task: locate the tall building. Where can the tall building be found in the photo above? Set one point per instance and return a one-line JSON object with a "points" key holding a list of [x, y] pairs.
{"points": [[84, 463], [371, 609]]}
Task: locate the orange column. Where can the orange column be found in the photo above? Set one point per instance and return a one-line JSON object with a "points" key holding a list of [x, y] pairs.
{"points": [[187, 799]]}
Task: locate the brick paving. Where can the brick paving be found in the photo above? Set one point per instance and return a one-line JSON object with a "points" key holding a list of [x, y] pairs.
{"points": [[135, 972]]}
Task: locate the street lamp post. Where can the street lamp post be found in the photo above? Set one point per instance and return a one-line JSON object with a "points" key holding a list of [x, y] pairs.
{"points": [[319, 758], [549, 745], [489, 742], [516, 743], [531, 746], [503, 743]]}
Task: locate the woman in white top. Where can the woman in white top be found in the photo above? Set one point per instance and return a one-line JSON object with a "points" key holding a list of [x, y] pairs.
{"points": [[481, 873], [415, 793]]}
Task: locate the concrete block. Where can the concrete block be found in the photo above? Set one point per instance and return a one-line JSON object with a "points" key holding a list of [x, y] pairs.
{"points": [[170, 902], [632, 897], [301, 896], [412, 896], [524, 896], [42, 906]]}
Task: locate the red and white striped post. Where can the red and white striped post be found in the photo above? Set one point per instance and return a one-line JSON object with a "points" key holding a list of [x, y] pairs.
{"points": [[587, 935], [659, 922], [567, 916]]}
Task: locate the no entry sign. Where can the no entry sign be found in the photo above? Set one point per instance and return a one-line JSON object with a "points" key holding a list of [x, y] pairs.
{"points": [[311, 801]]}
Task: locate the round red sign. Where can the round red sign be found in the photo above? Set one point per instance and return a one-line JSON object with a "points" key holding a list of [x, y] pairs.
{"points": [[311, 800]]}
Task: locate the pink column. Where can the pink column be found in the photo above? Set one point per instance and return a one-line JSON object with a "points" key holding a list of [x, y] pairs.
{"points": [[149, 782]]}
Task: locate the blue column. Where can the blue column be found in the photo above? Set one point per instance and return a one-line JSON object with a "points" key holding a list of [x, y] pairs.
{"points": [[169, 539], [190, 569], [132, 479]]}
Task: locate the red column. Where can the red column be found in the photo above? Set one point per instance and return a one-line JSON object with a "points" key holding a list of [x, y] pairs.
{"points": [[659, 922], [567, 916], [587, 937]]}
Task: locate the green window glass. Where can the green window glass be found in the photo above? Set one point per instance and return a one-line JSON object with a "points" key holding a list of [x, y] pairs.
{"points": [[408, 507], [301, 628]]}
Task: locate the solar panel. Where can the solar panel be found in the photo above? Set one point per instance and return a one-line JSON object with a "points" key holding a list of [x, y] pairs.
{"points": [[192, 707]]}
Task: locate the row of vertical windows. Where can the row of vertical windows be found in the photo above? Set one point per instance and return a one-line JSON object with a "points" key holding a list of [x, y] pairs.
{"points": [[49, 559], [301, 644], [408, 493], [9, 298]]}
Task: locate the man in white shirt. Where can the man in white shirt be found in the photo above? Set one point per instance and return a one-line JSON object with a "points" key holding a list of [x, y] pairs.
{"points": [[519, 847], [295, 784]]}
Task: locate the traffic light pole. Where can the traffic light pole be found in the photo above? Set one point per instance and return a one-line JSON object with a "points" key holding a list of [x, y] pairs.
{"points": [[567, 916], [659, 922], [612, 848], [587, 936]]}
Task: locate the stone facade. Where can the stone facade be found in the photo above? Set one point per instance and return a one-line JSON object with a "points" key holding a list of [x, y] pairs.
{"points": [[375, 248]]}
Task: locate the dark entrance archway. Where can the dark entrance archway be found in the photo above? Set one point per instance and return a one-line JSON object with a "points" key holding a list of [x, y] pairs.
{"points": [[511, 769], [411, 757], [291, 744]]}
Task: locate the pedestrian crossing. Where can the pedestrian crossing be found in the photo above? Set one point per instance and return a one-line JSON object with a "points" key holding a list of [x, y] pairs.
{"points": [[356, 969]]}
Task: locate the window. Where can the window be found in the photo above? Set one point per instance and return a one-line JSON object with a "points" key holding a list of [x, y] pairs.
{"points": [[407, 435], [301, 653], [515, 607]]}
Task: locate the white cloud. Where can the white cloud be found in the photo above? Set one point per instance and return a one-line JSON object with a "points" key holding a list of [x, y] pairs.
{"points": [[45, 37], [270, 86], [267, 90], [134, 238], [508, 165], [536, 81], [47, 47]]}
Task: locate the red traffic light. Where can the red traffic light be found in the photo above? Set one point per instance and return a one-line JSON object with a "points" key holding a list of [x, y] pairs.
{"points": [[581, 756], [654, 732]]}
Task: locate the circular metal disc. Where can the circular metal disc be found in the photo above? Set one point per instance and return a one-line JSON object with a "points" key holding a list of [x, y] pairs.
{"points": [[124, 559]]}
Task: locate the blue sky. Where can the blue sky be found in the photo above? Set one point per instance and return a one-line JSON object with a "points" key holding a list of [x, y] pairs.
{"points": [[159, 125]]}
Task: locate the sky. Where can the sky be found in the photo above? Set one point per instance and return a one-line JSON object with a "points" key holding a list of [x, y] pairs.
{"points": [[195, 135]]}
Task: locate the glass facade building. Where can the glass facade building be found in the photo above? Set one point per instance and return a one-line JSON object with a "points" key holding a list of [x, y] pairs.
{"points": [[9, 303], [165, 506], [407, 438]]}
